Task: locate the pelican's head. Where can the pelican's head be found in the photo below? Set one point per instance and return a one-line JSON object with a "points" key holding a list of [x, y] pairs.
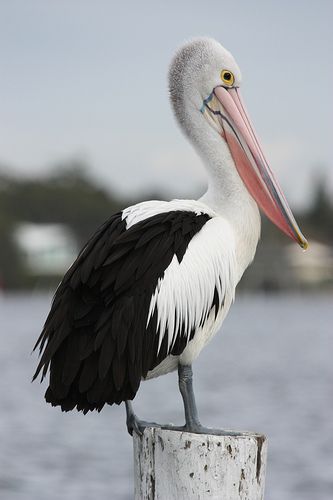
{"points": [[204, 79]]}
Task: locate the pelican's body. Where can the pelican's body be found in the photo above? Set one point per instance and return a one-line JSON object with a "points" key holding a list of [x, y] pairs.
{"points": [[219, 253], [156, 281]]}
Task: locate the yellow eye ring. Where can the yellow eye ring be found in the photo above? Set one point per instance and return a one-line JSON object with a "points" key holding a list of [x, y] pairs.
{"points": [[227, 77]]}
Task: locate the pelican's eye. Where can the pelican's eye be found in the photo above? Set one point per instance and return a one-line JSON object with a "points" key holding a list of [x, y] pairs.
{"points": [[227, 77]]}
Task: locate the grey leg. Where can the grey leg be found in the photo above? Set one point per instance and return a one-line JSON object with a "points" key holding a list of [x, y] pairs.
{"points": [[192, 422], [185, 381], [132, 422]]}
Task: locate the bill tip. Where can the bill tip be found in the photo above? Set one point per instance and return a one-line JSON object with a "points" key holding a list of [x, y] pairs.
{"points": [[304, 244]]}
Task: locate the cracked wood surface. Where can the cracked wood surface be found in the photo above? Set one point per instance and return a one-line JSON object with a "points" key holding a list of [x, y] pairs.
{"points": [[180, 465]]}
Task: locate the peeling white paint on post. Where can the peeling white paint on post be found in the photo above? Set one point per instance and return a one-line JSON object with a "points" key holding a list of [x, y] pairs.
{"points": [[179, 465]]}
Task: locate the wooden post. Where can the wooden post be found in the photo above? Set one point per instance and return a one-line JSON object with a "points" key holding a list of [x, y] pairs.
{"points": [[178, 465]]}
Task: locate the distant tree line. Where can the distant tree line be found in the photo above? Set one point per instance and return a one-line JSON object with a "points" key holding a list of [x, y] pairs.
{"points": [[69, 195]]}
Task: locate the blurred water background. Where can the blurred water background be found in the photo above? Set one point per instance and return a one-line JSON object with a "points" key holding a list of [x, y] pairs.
{"points": [[269, 370]]}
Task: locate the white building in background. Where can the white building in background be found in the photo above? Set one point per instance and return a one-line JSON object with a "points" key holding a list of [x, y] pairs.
{"points": [[46, 249]]}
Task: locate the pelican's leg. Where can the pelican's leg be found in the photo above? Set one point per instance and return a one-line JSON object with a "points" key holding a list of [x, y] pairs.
{"points": [[134, 423], [185, 381], [192, 422]]}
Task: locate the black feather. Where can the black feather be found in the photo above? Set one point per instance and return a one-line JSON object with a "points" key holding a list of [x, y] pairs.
{"points": [[96, 341], [106, 356]]}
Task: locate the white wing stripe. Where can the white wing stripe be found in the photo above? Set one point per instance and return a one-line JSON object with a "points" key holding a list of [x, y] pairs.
{"points": [[184, 296], [141, 211]]}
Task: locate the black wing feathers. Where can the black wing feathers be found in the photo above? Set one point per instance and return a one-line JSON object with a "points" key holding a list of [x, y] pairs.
{"points": [[96, 341]]}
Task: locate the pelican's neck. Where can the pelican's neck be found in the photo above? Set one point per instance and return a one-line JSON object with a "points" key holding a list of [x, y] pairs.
{"points": [[226, 193]]}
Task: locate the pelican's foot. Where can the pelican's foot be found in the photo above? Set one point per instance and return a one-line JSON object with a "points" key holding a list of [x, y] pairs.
{"points": [[200, 429], [134, 424], [197, 428]]}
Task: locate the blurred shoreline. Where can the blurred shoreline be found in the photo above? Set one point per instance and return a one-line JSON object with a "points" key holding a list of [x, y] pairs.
{"points": [[45, 222]]}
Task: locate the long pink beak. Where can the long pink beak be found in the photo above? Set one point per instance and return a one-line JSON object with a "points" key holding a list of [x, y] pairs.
{"points": [[251, 163]]}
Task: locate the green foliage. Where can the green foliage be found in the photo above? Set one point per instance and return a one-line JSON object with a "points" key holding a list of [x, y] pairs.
{"points": [[66, 196], [319, 217], [11, 271]]}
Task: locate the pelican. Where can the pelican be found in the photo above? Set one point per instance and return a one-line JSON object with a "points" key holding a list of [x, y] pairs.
{"points": [[153, 285]]}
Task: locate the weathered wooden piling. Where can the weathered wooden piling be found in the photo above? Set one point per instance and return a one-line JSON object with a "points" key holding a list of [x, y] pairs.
{"points": [[178, 465]]}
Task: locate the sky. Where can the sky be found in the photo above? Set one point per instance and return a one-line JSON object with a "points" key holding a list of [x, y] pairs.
{"points": [[87, 80]]}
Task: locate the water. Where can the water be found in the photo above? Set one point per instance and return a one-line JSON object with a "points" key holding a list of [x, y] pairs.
{"points": [[270, 371]]}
